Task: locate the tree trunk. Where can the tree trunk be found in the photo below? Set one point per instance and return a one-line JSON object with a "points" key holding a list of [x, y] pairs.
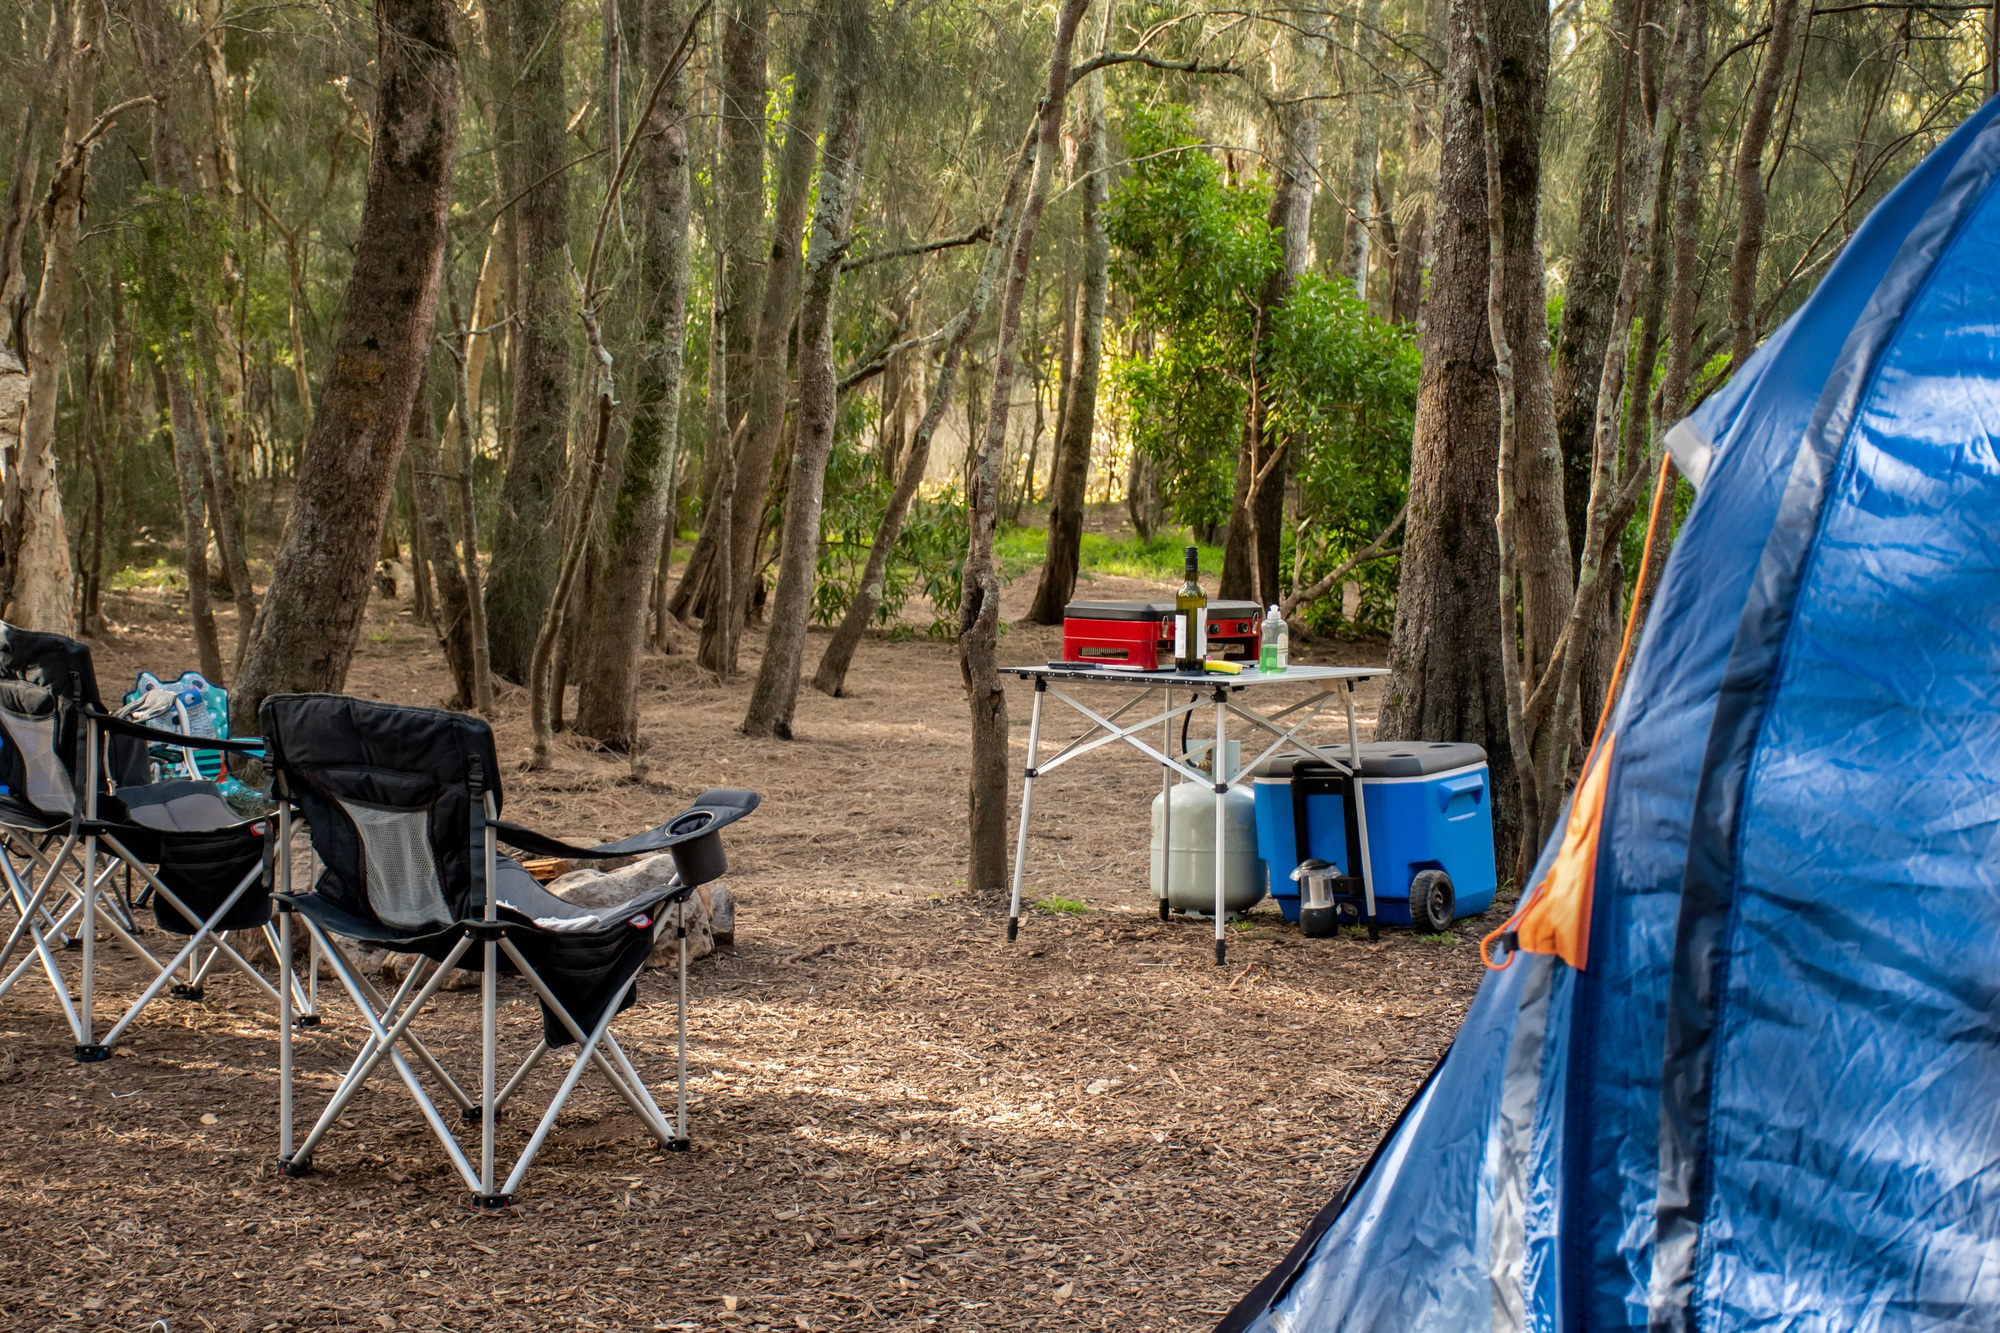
{"points": [[450, 614], [319, 580], [42, 593], [741, 181], [1750, 194], [775, 697], [1592, 284], [189, 469], [1250, 556], [1069, 474], [614, 631], [979, 607], [831, 678], [1360, 221], [764, 410], [1447, 679], [525, 537]]}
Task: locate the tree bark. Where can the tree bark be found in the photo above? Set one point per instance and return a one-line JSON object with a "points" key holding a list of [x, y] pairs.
{"points": [[189, 469], [831, 678], [451, 612], [764, 410], [42, 593], [319, 580], [775, 696], [1751, 200], [614, 631], [1447, 679], [1070, 470], [1250, 555], [979, 607], [1592, 284], [741, 178], [159, 40], [525, 535]]}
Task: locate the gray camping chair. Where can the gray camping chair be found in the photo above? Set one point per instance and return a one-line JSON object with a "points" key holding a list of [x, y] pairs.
{"points": [[403, 807], [76, 810]]}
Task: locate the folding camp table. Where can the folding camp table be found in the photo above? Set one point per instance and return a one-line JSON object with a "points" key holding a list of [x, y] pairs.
{"points": [[1282, 725]]}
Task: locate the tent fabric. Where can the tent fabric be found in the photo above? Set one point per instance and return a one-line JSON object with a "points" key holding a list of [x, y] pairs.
{"points": [[1767, 1101]]}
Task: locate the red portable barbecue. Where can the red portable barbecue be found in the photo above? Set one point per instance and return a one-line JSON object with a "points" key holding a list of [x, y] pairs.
{"points": [[1140, 635]]}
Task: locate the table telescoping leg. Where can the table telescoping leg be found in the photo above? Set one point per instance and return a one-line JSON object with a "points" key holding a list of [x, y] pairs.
{"points": [[1027, 799], [1166, 801], [1361, 817], [1217, 758]]}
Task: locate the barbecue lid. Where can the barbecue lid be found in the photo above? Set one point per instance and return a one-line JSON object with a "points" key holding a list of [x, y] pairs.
{"points": [[1217, 610]]}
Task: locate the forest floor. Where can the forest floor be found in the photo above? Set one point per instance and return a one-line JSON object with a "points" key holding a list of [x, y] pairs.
{"points": [[898, 1119]]}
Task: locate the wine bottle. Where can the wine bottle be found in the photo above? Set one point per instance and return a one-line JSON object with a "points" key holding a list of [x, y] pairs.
{"points": [[1191, 618]]}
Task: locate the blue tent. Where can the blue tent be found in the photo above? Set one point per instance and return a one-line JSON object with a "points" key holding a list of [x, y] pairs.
{"points": [[1771, 1099]]}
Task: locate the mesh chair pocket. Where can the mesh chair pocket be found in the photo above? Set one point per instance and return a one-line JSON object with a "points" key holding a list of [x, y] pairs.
{"points": [[203, 869], [28, 715], [401, 874]]}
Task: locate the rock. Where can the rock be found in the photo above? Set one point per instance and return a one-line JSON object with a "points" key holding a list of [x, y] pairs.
{"points": [[597, 888], [721, 913]]}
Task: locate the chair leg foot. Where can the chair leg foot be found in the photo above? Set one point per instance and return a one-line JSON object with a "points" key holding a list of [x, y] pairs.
{"points": [[180, 990], [679, 1145], [470, 1114], [492, 1202], [306, 1021], [90, 1055], [294, 1167]]}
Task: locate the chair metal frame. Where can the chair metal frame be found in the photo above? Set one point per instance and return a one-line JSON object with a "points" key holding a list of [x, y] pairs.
{"points": [[390, 1023], [83, 905]]}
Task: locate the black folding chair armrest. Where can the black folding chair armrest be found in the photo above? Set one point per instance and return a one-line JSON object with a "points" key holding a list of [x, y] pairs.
{"points": [[709, 813], [154, 736]]}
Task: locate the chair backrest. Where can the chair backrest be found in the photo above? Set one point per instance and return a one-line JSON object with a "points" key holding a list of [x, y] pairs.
{"points": [[52, 731], [390, 794]]}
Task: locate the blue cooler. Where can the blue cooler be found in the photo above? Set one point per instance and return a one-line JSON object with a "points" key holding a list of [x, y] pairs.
{"points": [[1429, 807]]}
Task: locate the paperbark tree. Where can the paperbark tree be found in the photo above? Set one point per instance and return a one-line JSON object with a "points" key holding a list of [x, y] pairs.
{"points": [[831, 677], [1250, 554], [615, 628], [42, 586], [1447, 678], [158, 39], [1069, 473], [1751, 197], [1591, 284], [525, 539], [979, 606], [775, 696], [764, 408], [319, 579]]}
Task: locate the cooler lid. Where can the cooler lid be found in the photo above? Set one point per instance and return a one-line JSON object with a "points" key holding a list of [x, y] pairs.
{"points": [[1232, 610], [1392, 759]]}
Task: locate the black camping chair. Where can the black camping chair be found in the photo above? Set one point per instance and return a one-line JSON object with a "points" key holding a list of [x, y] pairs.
{"points": [[403, 807], [77, 807]]}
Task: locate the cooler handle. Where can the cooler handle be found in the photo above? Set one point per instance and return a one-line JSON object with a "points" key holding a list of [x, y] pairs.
{"points": [[1472, 785]]}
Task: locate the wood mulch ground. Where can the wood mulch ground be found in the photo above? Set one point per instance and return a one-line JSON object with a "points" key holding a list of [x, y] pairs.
{"points": [[898, 1119]]}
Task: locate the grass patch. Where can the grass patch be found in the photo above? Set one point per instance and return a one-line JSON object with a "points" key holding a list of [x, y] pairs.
{"points": [[1017, 550], [1444, 939], [156, 577], [1065, 906]]}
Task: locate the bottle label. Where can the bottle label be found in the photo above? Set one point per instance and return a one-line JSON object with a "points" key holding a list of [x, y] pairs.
{"points": [[1180, 636], [1201, 634]]}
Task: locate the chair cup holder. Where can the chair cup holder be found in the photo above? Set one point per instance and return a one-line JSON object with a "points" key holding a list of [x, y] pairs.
{"points": [[701, 859]]}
